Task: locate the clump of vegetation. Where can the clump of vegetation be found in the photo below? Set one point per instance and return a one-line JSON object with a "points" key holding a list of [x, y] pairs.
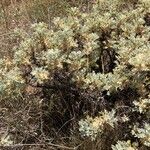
{"points": [[85, 77]]}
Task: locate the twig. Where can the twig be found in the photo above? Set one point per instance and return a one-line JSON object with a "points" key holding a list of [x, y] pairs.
{"points": [[65, 124], [49, 144]]}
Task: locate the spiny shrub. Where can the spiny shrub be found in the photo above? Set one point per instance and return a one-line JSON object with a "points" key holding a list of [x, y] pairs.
{"points": [[90, 73]]}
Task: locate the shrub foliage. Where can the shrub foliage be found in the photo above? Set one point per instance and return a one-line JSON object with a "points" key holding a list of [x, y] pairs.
{"points": [[86, 77]]}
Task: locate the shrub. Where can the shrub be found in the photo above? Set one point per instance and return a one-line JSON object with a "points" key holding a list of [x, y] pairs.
{"points": [[122, 145], [90, 61]]}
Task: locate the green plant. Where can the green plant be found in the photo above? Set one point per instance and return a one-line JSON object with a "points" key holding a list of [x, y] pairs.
{"points": [[91, 127], [89, 61], [143, 134], [123, 145]]}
